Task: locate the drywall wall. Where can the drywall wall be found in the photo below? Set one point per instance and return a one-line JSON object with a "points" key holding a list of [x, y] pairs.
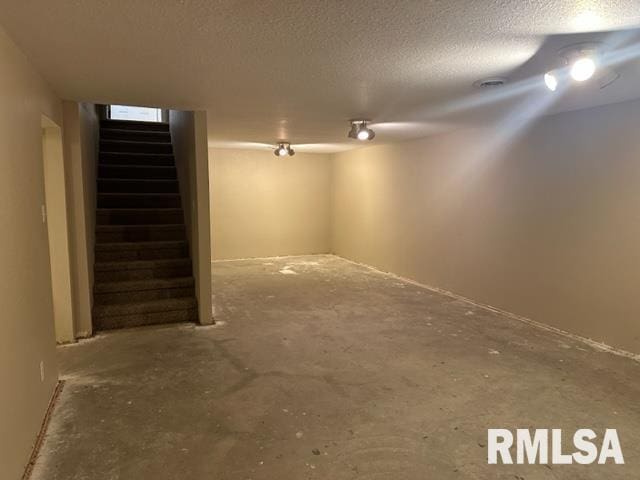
{"points": [[55, 188], [81, 128], [545, 225], [263, 205], [189, 137], [27, 335]]}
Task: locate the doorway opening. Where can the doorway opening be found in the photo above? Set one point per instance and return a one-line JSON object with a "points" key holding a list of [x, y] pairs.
{"points": [[54, 214]]}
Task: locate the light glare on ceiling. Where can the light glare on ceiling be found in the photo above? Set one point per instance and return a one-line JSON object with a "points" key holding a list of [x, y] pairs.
{"points": [[587, 21], [551, 81]]}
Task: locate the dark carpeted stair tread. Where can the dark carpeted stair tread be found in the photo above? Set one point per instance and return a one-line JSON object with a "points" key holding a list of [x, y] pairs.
{"points": [[153, 159], [165, 305], [144, 319], [138, 200], [132, 251], [130, 185], [138, 216], [138, 210], [141, 285], [119, 228], [141, 264], [118, 271], [135, 135], [141, 166], [131, 146], [139, 125], [139, 233], [140, 172], [134, 291], [139, 194], [104, 247]]}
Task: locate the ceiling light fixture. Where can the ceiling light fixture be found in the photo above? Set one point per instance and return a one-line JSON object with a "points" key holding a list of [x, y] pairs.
{"points": [[360, 130], [577, 62], [284, 149]]}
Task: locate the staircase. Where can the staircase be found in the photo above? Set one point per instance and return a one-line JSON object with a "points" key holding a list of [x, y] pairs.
{"points": [[143, 272]]}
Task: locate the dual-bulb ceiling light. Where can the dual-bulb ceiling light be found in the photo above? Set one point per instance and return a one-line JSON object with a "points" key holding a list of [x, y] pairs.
{"points": [[284, 150], [360, 130], [580, 64]]}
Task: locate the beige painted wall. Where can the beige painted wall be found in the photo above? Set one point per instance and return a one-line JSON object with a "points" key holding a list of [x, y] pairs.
{"points": [[547, 227], [263, 205], [55, 189], [81, 127], [189, 137], [26, 329]]}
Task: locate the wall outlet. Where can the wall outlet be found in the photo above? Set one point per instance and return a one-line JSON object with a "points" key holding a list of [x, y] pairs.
{"points": [[41, 371]]}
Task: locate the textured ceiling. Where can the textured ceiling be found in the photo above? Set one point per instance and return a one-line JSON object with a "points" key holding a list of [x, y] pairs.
{"points": [[298, 70]]}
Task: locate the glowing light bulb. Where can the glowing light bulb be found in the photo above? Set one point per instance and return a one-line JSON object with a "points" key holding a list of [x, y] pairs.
{"points": [[283, 152], [363, 134], [551, 81], [583, 69]]}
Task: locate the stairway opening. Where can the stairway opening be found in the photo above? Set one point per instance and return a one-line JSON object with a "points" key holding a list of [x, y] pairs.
{"points": [[143, 270]]}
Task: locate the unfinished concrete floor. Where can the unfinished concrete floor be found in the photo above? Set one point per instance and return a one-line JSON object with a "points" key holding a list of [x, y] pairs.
{"points": [[322, 369]]}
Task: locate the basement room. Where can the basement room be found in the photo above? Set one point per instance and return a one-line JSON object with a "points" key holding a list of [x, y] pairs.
{"points": [[284, 240]]}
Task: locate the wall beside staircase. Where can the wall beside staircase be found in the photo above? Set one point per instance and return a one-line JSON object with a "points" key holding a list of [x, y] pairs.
{"points": [[189, 135], [27, 337], [81, 124]]}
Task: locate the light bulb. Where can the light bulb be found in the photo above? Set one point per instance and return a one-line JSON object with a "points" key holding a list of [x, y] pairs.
{"points": [[363, 134], [551, 81], [360, 131], [283, 152], [583, 69]]}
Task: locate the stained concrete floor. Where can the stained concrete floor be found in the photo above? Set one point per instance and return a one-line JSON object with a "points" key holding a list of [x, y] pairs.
{"points": [[322, 369]]}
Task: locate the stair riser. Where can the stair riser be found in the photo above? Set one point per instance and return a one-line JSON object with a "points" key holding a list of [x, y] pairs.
{"points": [[137, 186], [142, 295], [146, 254], [133, 125], [143, 273], [113, 171], [138, 320], [137, 235], [133, 217], [136, 159], [135, 135], [134, 147], [138, 201]]}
